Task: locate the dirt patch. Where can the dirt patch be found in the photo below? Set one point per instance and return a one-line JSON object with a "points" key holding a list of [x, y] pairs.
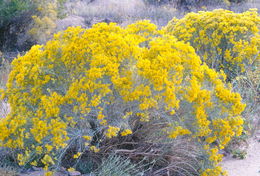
{"points": [[250, 166]]}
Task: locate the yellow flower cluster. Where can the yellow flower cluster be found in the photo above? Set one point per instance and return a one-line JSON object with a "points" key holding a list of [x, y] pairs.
{"points": [[109, 75], [88, 138], [47, 160], [94, 149], [112, 131], [77, 155], [126, 132], [216, 171], [45, 21], [179, 131], [223, 39]]}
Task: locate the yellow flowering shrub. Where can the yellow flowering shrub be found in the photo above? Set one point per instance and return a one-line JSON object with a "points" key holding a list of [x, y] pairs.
{"points": [[44, 21], [223, 39], [97, 80]]}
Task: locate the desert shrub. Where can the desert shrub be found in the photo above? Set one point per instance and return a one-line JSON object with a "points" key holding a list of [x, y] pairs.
{"points": [[8, 159], [248, 85], [223, 39], [12, 8], [34, 17], [8, 171], [87, 87], [4, 71], [117, 166], [48, 12]]}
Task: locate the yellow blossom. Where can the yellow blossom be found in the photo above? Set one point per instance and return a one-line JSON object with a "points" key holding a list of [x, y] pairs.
{"points": [[77, 155], [94, 149], [126, 132]]}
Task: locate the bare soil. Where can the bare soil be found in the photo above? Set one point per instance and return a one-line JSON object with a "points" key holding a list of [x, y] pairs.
{"points": [[250, 166]]}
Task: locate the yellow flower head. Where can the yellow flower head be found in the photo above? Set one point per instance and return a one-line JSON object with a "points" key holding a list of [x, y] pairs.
{"points": [[126, 132]]}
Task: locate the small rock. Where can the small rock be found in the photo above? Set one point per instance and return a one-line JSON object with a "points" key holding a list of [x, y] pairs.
{"points": [[60, 173], [35, 173], [73, 20], [37, 168], [74, 173]]}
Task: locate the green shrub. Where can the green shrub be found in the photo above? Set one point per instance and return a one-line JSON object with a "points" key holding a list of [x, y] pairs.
{"points": [[9, 9], [117, 166], [248, 85]]}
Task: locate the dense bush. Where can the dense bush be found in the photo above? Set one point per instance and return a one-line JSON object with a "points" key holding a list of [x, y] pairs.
{"points": [[15, 16], [248, 85], [48, 12], [89, 86], [223, 39], [24, 23], [12, 8]]}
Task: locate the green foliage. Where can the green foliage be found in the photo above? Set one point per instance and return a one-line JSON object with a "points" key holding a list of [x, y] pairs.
{"points": [[248, 85], [12, 8], [8, 164], [241, 154], [117, 166], [61, 10]]}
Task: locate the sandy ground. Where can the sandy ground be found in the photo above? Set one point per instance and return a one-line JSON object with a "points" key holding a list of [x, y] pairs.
{"points": [[4, 109], [250, 166]]}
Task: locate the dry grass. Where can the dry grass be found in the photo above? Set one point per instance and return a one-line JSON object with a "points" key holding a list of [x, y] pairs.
{"points": [[4, 109], [4, 71], [149, 147], [7, 172], [8, 166], [122, 12], [125, 12]]}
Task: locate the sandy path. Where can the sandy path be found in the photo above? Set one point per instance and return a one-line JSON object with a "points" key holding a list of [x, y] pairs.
{"points": [[250, 166]]}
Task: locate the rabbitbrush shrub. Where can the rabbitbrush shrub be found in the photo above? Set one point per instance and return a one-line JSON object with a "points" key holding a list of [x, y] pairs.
{"points": [[223, 39], [44, 19], [97, 80]]}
